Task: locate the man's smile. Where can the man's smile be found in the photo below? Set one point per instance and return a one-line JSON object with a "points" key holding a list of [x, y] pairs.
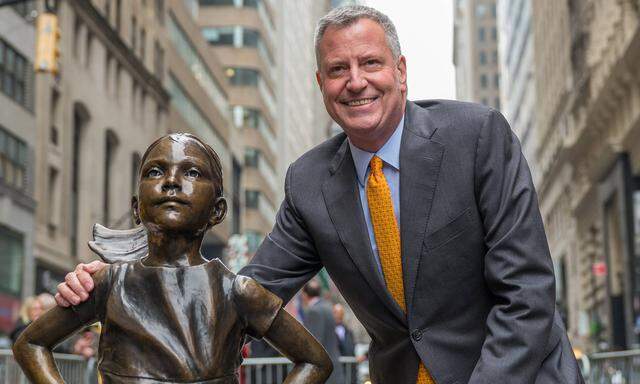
{"points": [[359, 102]]}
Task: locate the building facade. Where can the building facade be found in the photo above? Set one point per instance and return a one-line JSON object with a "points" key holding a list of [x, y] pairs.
{"points": [[517, 85], [587, 60], [17, 152], [475, 51]]}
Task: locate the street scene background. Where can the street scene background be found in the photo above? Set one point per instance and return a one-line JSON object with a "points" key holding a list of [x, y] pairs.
{"points": [[78, 109]]}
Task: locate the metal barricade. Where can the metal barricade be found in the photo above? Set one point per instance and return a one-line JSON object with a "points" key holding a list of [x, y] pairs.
{"points": [[273, 370], [73, 368], [614, 367], [76, 370]]}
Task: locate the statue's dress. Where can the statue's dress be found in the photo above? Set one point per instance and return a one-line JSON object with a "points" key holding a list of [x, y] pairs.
{"points": [[178, 325]]}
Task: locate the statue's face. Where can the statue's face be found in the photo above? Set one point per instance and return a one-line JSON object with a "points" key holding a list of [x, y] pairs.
{"points": [[177, 187]]}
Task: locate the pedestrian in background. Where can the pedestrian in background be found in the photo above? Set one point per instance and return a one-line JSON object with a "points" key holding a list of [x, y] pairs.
{"points": [[318, 319]]}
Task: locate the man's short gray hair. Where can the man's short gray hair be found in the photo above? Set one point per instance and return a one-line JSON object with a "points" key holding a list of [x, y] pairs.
{"points": [[349, 14]]}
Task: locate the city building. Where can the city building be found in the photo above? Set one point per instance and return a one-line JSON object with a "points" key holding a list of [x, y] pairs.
{"points": [[17, 152], [199, 103], [475, 51], [94, 120], [517, 86], [587, 56]]}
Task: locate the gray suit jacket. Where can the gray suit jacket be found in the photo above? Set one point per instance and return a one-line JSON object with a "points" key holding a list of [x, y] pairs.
{"points": [[318, 319], [478, 276]]}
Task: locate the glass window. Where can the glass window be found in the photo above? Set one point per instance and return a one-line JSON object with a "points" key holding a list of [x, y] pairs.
{"points": [[483, 58], [250, 37], [216, 2], [251, 157], [481, 34], [196, 119], [11, 256], [484, 81], [251, 3], [14, 74], [200, 70], [252, 199], [219, 36], [481, 10], [496, 80], [13, 160], [494, 57], [243, 76], [494, 34]]}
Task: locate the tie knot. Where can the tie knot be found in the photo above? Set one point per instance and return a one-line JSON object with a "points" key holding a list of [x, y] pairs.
{"points": [[376, 165]]}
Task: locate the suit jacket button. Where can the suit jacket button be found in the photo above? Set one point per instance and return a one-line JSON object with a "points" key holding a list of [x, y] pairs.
{"points": [[417, 335]]}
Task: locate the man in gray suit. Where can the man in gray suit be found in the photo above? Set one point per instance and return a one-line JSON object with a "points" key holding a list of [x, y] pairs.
{"points": [[477, 276], [318, 319]]}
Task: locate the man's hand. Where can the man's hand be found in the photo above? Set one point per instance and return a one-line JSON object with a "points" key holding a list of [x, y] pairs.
{"points": [[77, 284]]}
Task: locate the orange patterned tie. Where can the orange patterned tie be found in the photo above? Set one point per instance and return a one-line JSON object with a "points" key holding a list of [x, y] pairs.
{"points": [[387, 234]]}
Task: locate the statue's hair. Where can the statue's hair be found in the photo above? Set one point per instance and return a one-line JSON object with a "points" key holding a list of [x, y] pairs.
{"points": [[349, 14], [214, 160]]}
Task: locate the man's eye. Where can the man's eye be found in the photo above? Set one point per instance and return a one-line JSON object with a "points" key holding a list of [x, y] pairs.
{"points": [[154, 172], [336, 70], [371, 62], [194, 173]]}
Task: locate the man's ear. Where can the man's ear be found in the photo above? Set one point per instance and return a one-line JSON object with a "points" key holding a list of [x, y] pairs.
{"points": [[135, 212], [219, 211], [402, 70], [319, 79]]}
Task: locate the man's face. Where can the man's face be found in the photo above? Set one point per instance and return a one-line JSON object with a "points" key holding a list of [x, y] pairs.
{"points": [[363, 87], [177, 187]]}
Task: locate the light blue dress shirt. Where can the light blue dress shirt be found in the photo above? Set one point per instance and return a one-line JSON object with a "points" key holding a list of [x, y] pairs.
{"points": [[390, 156]]}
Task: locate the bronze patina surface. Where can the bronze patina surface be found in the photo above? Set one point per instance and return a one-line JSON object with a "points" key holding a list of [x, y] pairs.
{"points": [[172, 316]]}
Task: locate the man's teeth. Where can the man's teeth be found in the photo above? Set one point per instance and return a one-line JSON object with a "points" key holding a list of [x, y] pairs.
{"points": [[360, 102]]}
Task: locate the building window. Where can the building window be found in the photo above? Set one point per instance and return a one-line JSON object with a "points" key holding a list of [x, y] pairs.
{"points": [[135, 168], [484, 82], [236, 208], [195, 118], [494, 57], [26, 9], [250, 37], [54, 199], [118, 15], [158, 60], [494, 34], [11, 257], [494, 11], [496, 80], [133, 39], [198, 67], [217, 2], [497, 103], [159, 9], [252, 199], [481, 11], [481, 34], [13, 160], [16, 74], [219, 36], [111, 145], [143, 43], [251, 157], [483, 58], [243, 76]]}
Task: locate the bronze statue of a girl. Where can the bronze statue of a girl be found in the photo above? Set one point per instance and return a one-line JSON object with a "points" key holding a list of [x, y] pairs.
{"points": [[173, 316]]}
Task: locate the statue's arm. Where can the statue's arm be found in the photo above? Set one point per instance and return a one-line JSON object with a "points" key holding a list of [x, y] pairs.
{"points": [[312, 363], [33, 349]]}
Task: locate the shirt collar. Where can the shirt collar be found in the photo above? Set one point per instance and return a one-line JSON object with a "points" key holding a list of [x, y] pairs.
{"points": [[389, 153]]}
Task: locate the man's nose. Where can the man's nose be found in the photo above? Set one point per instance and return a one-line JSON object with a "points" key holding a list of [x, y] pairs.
{"points": [[171, 181], [357, 81]]}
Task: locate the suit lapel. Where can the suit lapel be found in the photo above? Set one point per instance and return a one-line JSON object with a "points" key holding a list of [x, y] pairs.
{"points": [[342, 199], [420, 160]]}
